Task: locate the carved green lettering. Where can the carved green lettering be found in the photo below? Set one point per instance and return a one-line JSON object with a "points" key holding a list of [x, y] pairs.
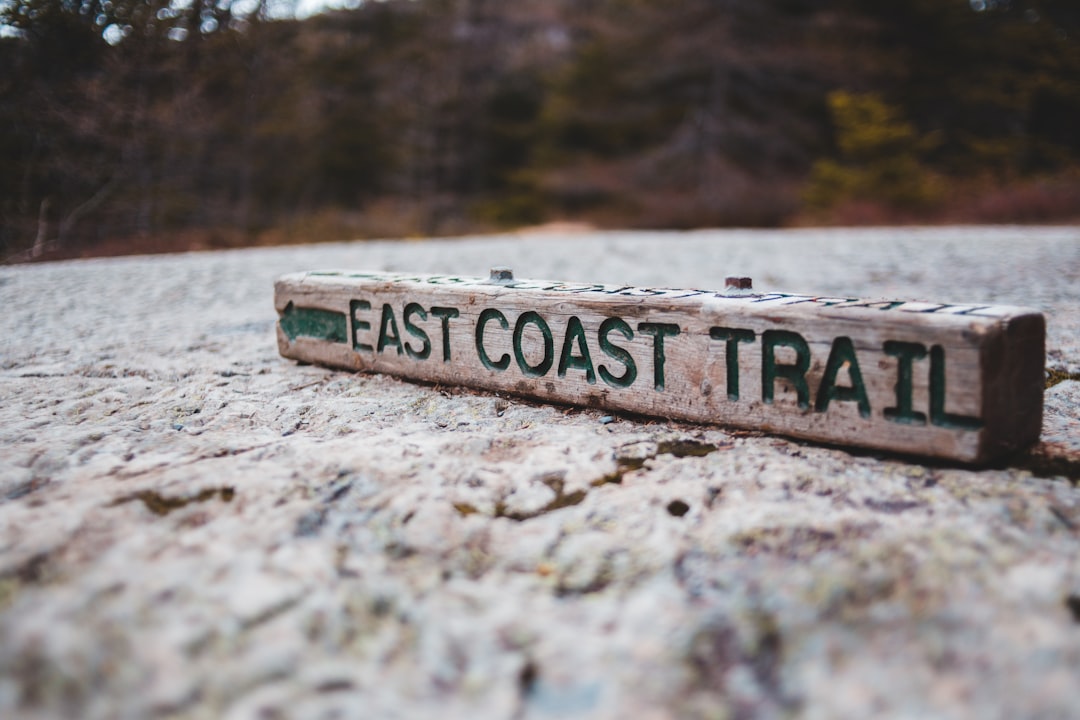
{"points": [[313, 323], [658, 331], [388, 330], [615, 352], [795, 373], [489, 314], [583, 360], [359, 325], [906, 353], [541, 368], [877, 305], [732, 337], [842, 355], [425, 351], [938, 416], [445, 314]]}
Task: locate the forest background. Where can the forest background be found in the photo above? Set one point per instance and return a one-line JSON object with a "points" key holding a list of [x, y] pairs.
{"points": [[145, 125]]}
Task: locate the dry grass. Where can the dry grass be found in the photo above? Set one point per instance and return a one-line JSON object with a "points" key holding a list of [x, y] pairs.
{"points": [[1053, 199]]}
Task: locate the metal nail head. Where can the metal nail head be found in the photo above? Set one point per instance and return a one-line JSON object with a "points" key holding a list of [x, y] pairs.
{"points": [[501, 274]]}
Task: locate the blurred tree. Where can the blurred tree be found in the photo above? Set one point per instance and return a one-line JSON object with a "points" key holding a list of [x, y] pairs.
{"points": [[879, 157], [692, 112], [106, 116], [998, 80]]}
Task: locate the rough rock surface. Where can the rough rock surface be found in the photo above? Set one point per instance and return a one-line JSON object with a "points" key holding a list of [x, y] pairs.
{"points": [[193, 527]]}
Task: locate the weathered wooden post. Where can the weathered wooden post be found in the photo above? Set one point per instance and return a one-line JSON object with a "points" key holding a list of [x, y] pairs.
{"points": [[959, 382]]}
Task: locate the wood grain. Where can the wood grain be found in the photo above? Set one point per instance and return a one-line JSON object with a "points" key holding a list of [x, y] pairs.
{"points": [[959, 382]]}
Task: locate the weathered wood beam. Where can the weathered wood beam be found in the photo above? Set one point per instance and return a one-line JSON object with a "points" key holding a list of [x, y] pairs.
{"points": [[959, 382]]}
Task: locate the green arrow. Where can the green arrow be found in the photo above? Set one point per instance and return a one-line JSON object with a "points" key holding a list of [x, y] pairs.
{"points": [[313, 323]]}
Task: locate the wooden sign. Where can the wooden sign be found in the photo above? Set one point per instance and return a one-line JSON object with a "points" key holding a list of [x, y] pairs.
{"points": [[961, 382]]}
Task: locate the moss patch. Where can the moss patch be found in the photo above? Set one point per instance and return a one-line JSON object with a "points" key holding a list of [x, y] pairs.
{"points": [[1054, 377], [160, 504]]}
